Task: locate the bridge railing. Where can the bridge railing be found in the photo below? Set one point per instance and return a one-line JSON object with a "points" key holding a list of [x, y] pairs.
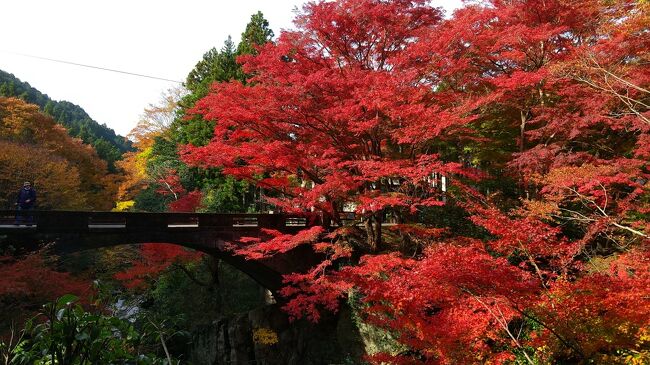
{"points": [[76, 221]]}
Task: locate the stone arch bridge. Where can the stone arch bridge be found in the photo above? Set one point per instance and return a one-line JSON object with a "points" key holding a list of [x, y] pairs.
{"points": [[206, 232]]}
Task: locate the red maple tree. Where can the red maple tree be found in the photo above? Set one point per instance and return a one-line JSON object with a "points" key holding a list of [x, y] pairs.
{"points": [[332, 118], [370, 103]]}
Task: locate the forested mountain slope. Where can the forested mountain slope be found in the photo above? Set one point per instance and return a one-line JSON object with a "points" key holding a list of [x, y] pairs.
{"points": [[67, 173], [78, 123]]}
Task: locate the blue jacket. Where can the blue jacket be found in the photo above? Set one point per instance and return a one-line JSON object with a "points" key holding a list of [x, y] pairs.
{"points": [[24, 195]]}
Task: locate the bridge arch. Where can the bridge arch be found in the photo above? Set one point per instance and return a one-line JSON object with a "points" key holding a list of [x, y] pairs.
{"points": [[204, 232]]}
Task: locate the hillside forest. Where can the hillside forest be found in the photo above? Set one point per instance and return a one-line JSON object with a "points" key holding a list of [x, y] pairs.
{"points": [[480, 179], [108, 146]]}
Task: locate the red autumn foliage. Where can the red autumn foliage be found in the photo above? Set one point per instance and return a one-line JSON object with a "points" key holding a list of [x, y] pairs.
{"points": [[599, 313], [529, 238], [331, 116], [171, 184], [369, 103], [183, 201], [450, 306], [155, 258], [312, 292], [32, 276], [26, 283], [279, 243], [186, 203]]}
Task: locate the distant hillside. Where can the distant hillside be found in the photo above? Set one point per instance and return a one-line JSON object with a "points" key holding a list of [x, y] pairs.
{"points": [[109, 146]]}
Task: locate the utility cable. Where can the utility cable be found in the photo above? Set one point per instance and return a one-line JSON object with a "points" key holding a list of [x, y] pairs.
{"points": [[94, 67]]}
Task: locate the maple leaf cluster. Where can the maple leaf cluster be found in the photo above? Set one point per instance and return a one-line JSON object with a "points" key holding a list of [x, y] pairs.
{"points": [[532, 117], [28, 282], [155, 258], [32, 275]]}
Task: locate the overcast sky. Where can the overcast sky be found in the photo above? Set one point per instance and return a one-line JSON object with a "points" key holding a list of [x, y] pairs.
{"points": [[162, 38]]}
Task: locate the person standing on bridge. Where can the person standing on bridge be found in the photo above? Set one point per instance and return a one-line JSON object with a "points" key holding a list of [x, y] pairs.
{"points": [[26, 201]]}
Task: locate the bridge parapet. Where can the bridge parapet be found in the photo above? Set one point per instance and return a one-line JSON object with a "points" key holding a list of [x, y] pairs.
{"points": [[79, 221]]}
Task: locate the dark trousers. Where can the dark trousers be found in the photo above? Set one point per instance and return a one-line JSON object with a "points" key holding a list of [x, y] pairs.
{"points": [[23, 218]]}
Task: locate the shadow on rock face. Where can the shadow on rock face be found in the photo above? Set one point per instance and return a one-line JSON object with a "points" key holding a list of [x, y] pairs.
{"points": [[265, 336]]}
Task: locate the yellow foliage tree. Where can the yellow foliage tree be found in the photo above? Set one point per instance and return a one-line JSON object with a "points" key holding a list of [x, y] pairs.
{"points": [[154, 122], [55, 179], [23, 126]]}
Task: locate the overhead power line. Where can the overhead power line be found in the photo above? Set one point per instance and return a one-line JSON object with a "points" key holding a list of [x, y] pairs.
{"points": [[94, 67]]}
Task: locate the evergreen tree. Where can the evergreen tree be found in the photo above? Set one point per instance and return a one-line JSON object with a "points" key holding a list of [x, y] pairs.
{"points": [[257, 33], [216, 66], [220, 66]]}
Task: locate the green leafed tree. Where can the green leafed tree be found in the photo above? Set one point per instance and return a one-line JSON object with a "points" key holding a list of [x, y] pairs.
{"points": [[217, 66]]}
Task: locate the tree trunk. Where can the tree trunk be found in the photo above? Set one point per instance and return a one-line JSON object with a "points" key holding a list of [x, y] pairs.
{"points": [[522, 131], [522, 147], [373, 231]]}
